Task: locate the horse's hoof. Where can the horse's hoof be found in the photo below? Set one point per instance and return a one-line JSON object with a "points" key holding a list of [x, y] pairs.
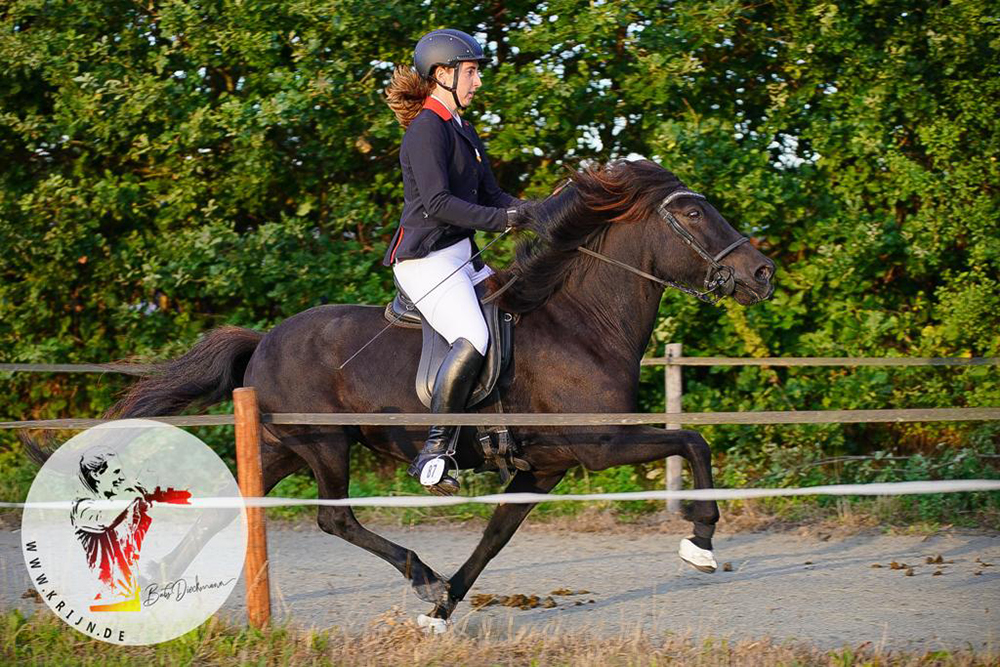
{"points": [[434, 592], [431, 625], [701, 559]]}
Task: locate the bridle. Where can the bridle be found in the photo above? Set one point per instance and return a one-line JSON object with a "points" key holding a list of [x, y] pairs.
{"points": [[720, 279], [718, 276]]}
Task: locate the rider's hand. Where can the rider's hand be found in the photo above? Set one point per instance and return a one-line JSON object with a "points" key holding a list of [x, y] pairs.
{"points": [[518, 218]]}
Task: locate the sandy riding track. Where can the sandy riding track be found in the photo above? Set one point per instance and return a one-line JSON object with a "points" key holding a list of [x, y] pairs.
{"points": [[782, 585]]}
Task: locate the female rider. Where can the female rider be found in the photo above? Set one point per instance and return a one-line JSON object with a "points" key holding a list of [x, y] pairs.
{"points": [[449, 192]]}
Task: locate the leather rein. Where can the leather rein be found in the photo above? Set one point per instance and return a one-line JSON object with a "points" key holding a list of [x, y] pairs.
{"points": [[720, 280]]}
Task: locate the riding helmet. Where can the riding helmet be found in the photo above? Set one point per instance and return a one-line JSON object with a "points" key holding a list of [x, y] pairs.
{"points": [[446, 47]]}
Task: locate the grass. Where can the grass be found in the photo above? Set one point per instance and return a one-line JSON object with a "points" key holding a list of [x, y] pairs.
{"points": [[42, 639]]}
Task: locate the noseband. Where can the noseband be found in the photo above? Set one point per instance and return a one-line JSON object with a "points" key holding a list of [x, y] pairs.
{"points": [[720, 279]]}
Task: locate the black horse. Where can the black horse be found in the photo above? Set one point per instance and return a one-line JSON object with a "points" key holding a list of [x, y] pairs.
{"points": [[584, 325]]}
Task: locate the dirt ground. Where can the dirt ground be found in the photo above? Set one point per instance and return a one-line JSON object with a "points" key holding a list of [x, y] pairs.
{"points": [[826, 588]]}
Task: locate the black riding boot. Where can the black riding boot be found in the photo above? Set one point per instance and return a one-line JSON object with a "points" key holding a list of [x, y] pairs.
{"points": [[452, 386]]}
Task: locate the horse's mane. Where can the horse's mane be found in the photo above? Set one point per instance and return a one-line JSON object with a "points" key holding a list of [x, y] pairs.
{"points": [[619, 192]]}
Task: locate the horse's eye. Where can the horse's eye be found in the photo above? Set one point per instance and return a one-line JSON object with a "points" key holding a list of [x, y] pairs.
{"points": [[694, 215]]}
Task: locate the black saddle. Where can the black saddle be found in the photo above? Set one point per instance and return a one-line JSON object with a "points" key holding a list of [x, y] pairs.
{"points": [[401, 312]]}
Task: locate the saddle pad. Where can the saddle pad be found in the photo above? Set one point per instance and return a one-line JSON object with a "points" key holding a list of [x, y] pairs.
{"points": [[498, 356]]}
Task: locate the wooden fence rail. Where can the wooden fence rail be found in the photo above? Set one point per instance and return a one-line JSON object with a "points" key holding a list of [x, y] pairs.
{"points": [[550, 419]]}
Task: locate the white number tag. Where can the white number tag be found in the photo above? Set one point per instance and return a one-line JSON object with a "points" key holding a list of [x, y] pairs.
{"points": [[432, 472]]}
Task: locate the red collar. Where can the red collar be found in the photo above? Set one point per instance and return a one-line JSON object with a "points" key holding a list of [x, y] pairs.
{"points": [[438, 108]]}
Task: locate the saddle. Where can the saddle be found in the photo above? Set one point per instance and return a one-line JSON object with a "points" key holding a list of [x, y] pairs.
{"points": [[401, 312], [500, 451]]}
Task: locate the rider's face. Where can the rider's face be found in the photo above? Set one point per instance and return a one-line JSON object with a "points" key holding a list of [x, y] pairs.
{"points": [[110, 480], [468, 80]]}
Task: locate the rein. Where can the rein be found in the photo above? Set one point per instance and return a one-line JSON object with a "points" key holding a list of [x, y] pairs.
{"points": [[720, 279]]}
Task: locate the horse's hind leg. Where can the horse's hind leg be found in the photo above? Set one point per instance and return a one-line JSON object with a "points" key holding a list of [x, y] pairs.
{"points": [[327, 454], [505, 521]]}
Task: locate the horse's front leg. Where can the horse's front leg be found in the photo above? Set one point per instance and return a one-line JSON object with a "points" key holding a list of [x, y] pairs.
{"points": [[501, 527], [642, 444]]}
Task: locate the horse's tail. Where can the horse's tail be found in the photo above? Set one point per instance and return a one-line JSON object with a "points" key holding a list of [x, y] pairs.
{"points": [[204, 376]]}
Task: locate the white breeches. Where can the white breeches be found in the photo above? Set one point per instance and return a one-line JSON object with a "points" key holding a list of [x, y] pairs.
{"points": [[452, 308]]}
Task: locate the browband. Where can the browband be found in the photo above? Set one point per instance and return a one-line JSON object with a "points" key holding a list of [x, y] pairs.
{"points": [[681, 193]]}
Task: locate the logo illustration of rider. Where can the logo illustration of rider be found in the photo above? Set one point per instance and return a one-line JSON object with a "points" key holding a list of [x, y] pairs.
{"points": [[112, 537], [133, 532]]}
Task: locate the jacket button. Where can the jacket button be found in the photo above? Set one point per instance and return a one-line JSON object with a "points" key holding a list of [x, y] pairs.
{"points": [[473, 191]]}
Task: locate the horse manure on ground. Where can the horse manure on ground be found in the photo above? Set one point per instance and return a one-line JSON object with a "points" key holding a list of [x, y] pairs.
{"points": [[727, 567], [523, 601], [938, 560], [518, 600], [894, 565]]}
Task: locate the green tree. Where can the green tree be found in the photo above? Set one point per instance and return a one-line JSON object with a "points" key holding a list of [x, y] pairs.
{"points": [[169, 166]]}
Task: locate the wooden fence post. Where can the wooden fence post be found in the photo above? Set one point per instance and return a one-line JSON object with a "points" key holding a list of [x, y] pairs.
{"points": [[672, 393], [251, 486]]}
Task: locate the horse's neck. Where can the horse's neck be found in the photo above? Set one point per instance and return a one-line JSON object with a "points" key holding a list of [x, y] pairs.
{"points": [[610, 305]]}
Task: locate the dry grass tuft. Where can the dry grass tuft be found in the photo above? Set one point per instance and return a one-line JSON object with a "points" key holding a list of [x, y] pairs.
{"points": [[395, 640]]}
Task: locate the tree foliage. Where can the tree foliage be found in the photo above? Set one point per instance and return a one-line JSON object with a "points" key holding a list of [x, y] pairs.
{"points": [[169, 166]]}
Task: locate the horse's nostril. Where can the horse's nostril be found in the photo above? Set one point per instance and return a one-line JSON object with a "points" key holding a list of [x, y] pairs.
{"points": [[763, 274]]}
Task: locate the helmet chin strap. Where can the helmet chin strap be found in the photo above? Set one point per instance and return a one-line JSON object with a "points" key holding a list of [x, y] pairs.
{"points": [[453, 89]]}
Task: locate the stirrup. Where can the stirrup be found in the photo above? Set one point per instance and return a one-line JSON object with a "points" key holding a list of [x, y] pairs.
{"points": [[432, 472], [448, 486], [431, 468]]}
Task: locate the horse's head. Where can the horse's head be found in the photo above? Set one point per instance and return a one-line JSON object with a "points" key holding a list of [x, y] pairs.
{"points": [[671, 236], [699, 248]]}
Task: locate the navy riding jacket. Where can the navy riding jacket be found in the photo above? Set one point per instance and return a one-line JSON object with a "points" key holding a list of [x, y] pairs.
{"points": [[448, 188]]}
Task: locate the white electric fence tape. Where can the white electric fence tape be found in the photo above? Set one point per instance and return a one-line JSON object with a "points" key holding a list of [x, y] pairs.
{"points": [[881, 489]]}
